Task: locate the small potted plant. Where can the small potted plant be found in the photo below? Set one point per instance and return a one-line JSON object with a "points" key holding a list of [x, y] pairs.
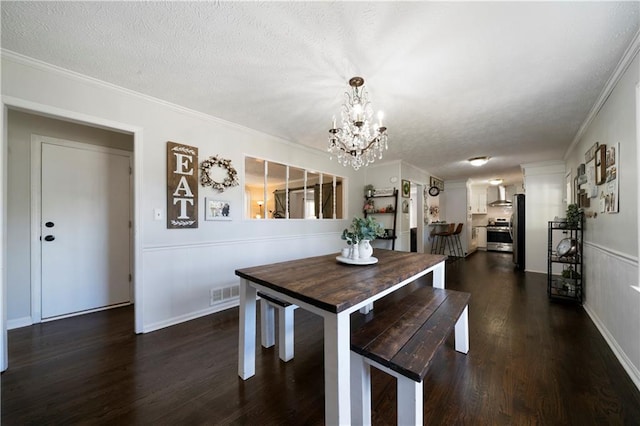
{"points": [[573, 216], [359, 234], [369, 206], [366, 228], [369, 190]]}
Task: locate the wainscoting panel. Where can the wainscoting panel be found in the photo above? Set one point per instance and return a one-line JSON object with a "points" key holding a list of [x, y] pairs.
{"points": [[613, 303], [179, 279]]}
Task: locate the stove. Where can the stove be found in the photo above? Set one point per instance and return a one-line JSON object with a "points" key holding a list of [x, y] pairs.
{"points": [[499, 235]]}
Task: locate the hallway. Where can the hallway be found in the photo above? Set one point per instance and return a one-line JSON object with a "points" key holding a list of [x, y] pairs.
{"points": [[530, 362]]}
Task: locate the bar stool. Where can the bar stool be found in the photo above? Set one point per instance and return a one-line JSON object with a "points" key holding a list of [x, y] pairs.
{"points": [[458, 243], [444, 240]]}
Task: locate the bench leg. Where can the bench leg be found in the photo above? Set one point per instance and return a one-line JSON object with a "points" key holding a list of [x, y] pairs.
{"points": [[462, 332], [409, 402], [360, 391], [267, 324], [285, 330], [366, 309]]}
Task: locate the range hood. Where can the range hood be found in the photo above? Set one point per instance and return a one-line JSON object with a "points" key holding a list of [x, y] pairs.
{"points": [[499, 196]]}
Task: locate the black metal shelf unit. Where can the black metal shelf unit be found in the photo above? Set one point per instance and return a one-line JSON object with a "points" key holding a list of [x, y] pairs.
{"points": [[569, 285], [390, 233]]}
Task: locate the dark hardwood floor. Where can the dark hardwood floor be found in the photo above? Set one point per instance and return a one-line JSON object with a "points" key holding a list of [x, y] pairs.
{"points": [[530, 362]]}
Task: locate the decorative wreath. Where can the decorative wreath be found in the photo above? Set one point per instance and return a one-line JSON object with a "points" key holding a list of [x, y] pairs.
{"points": [[228, 182]]}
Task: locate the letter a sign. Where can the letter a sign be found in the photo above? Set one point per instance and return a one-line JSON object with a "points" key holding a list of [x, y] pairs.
{"points": [[182, 186]]}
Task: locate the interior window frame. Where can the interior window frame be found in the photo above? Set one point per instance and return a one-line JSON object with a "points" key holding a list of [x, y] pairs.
{"points": [[317, 212]]}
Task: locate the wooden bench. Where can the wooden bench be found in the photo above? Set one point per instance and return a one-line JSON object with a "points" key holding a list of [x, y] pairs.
{"points": [[268, 305], [401, 340]]}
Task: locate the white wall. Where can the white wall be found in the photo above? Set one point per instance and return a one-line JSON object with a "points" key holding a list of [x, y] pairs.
{"points": [[178, 268], [545, 184], [612, 294]]}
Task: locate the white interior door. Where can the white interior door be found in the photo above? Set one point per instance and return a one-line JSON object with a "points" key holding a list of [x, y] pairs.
{"points": [[84, 227]]}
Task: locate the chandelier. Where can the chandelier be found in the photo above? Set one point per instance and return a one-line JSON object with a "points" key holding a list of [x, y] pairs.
{"points": [[359, 140]]}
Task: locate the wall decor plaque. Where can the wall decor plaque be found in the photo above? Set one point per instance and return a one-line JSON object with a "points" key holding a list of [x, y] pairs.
{"points": [[591, 153], [182, 186], [611, 190], [601, 168], [434, 181]]}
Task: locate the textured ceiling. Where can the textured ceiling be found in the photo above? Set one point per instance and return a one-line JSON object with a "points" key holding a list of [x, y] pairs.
{"points": [[513, 81]]}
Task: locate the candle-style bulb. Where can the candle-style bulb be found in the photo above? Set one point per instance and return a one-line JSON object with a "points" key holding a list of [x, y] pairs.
{"points": [[380, 115]]}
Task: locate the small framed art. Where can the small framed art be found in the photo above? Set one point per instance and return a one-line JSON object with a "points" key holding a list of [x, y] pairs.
{"points": [[406, 188], [216, 209]]}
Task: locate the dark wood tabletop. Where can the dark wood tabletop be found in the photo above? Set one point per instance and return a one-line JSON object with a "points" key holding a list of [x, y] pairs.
{"points": [[324, 282]]}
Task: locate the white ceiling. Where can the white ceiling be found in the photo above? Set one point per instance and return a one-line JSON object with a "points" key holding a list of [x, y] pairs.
{"points": [[513, 81]]}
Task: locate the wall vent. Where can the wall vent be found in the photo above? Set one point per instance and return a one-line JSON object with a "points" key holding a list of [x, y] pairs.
{"points": [[219, 295]]}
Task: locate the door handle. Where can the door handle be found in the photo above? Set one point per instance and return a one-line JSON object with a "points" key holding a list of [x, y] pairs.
{"points": [[49, 238]]}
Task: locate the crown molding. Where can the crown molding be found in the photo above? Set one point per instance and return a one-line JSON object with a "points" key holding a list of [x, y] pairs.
{"points": [[21, 59], [627, 58]]}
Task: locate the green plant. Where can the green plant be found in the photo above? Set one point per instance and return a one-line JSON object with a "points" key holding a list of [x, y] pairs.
{"points": [[362, 229], [573, 215], [570, 273], [368, 190]]}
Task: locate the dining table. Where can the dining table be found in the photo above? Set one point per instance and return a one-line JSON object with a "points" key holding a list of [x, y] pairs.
{"points": [[333, 290]]}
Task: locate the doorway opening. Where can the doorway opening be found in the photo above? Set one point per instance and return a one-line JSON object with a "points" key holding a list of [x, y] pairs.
{"points": [[22, 119]]}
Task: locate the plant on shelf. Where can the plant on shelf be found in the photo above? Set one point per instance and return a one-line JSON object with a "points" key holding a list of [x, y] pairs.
{"points": [[369, 206], [570, 273], [368, 191], [362, 229], [573, 216]]}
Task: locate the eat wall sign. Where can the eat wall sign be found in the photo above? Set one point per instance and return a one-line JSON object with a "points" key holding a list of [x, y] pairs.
{"points": [[182, 186]]}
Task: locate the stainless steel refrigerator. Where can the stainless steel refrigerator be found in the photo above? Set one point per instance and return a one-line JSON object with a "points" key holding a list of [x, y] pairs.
{"points": [[517, 230]]}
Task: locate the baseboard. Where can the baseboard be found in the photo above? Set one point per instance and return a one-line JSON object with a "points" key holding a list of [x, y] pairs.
{"points": [[628, 366], [190, 316], [19, 323]]}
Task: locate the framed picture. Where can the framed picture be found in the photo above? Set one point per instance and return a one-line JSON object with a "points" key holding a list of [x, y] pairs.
{"points": [[591, 153], [601, 167], [609, 194], [406, 188], [216, 209], [434, 181], [591, 187]]}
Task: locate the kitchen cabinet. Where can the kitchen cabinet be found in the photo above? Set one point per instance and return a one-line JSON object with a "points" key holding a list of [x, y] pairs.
{"points": [[478, 200], [481, 235]]}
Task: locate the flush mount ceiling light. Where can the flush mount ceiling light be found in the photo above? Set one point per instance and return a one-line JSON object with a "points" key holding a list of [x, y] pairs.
{"points": [[495, 181], [359, 140], [478, 161]]}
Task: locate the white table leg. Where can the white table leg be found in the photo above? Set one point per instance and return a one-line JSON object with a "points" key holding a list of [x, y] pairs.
{"points": [[285, 327], [360, 391], [247, 331], [337, 374], [462, 332], [267, 324], [409, 402], [438, 275]]}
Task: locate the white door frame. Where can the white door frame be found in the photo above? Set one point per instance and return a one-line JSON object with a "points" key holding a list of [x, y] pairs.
{"points": [[9, 102], [36, 217]]}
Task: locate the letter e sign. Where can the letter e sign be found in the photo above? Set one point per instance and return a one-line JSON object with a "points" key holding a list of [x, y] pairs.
{"points": [[182, 186]]}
